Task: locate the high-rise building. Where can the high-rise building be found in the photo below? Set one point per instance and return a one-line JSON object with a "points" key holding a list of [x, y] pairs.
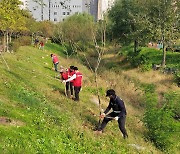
{"points": [[55, 10], [58, 10], [103, 7]]}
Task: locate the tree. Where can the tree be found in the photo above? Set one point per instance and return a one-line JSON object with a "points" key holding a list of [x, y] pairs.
{"points": [[129, 21], [46, 28], [76, 29], [99, 44], [164, 22], [11, 19]]}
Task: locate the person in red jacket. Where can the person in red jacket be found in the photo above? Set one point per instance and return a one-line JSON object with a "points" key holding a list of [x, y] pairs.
{"points": [[64, 76], [77, 82], [41, 45], [70, 83], [55, 61]]}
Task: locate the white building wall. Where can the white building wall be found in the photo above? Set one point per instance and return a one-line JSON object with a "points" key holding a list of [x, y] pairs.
{"points": [[94, 9], [86, 4], [58, 10], [103, 7]]}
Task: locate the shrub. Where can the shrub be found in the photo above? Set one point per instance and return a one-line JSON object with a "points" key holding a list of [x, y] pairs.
{"points": [[21, 41], [172, 100], [138, 59], [15, 46], [146, 67], [160, 122], [161, 127], [177, 78]]}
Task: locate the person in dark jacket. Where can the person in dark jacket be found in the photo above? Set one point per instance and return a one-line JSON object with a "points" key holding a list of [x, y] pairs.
{"points": [[118, 113]]}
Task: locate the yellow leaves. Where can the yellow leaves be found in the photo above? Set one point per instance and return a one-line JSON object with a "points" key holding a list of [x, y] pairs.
{"points": [[10, 15]]}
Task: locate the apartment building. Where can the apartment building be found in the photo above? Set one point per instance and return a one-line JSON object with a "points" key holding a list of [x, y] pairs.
{"points": [[58, 10]]}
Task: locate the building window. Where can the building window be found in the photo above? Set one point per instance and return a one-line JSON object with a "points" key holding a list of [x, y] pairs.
{"points": [[68, 13], [55, 13], [55, 19], [64, 13]]}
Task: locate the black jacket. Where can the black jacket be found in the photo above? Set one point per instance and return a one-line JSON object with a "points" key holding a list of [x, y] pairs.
{"points": [[117, 106]]}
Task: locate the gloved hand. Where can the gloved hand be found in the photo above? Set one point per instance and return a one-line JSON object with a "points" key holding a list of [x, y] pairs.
{"points": [[116, 118], [102, 115], [64, 81]]}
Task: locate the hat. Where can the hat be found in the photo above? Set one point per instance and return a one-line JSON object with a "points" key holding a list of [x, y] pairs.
{"points": [[71, 67], [75, 68], [110, 92]]}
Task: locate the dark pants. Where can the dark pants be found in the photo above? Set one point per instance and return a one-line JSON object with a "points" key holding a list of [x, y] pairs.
{"points": [[69, 85], [121, 122], [56, 66], [76, 92]]}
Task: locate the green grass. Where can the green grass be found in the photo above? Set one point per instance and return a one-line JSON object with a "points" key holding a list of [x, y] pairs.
{"points": [[150, 56], [155, 56], [45, 120]]}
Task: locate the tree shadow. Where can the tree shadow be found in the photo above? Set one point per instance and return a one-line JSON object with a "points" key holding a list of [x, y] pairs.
{"points": [[47, 68], [58, 89], [91, 120]]}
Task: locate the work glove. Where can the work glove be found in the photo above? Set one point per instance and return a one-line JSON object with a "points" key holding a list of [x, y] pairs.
{"points": [[64, 81], [102, 115], [116, 118]]}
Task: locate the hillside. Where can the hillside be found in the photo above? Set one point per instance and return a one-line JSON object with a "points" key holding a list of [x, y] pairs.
{"points": [[36, 117]]}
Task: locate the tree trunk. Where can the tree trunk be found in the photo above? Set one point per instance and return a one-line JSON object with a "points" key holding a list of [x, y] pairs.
{"points": [[7, 41], [164, 56], [99, 99], [4, 44], [10, 37], [32, 39], [135, 45]]}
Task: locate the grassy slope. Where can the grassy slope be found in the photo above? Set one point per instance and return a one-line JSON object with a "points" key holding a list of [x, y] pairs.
{"points": [[45, 121], [130, 83]]}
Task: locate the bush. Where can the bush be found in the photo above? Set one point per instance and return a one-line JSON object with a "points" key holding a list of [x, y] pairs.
{"points": [[21, 41], [177, 78], [150, 97], [146, 67], [138, 59], [162, 126], [15, 46], [173, 103]]}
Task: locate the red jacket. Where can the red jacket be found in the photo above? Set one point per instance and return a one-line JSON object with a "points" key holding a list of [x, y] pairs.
{"points": [[64, 75], [41, 43], [70, 74], [55, 59], [78, 80]]}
